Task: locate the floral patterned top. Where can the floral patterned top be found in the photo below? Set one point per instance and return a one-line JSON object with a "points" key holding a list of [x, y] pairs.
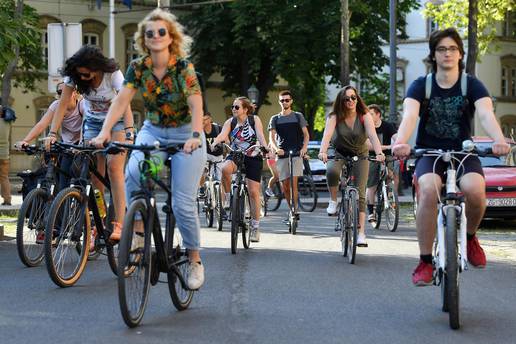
{"points": [[165, 100]]}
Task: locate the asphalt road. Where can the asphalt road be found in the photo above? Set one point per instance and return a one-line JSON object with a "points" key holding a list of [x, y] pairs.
{"points": [[285, 289]]}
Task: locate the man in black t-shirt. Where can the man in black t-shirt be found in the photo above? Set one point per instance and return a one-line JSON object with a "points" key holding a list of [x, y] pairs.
{"points": [[211, 131], [385, 132], [288, 131], [445, 118]]}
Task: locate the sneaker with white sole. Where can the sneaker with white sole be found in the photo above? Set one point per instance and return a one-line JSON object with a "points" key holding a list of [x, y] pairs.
{"points": [[269, 192], [255, 234], [332, 208], [195, 275], [361, 240], [371, 217]]}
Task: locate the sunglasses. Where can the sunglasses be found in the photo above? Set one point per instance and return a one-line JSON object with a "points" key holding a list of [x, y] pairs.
{"points": [[352, 98], [161, 32], [85, 75], [59, 92], [284, 100], [235, 107]]}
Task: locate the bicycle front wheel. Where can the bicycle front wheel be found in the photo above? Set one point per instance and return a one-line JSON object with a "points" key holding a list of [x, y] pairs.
{"points": [[67, 237], [208, 210], [111, 248], [31, 224], [392, 212], [352, 224], [245, 211], [235, 220], [307, 194], [274, 202], [378, 207], [218, 211], [134, 263], [451, 273]]}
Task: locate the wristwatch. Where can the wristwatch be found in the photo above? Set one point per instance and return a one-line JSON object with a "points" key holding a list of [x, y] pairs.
{"points": [[196, 134]]}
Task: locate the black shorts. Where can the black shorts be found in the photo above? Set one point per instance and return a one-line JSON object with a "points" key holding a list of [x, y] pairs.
{"points": [[253, 167], [425, 165]]}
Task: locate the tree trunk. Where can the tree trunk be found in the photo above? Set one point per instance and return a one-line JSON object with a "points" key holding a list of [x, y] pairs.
{"points": [[11, 67], [472, 37], [344, 43]]}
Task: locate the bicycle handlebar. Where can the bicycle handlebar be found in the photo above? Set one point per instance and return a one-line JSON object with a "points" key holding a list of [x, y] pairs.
{"points": [[115, 147]]}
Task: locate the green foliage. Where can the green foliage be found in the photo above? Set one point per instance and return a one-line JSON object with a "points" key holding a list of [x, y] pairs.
{"points": [[454, 13], [256, 42], [25, 34]]}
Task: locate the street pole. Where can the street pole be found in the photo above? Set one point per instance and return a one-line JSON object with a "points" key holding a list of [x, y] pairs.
{"points": [[112, 29], [393, 116], [344, 43]]}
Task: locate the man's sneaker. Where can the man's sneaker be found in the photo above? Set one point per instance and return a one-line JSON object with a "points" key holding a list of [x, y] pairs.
{"points": [[476, 255], [371, 217], [255, 234], [423, 275], [269, 192], [40, 237], [201, 193], [332, 208], [195, 275], [361, 240], [226, 204]]}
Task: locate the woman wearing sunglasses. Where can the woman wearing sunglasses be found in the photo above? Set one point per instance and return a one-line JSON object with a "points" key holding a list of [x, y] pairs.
{"points": [[173, 111], [347, 128], [70, 133], [98, 79], [243, 132]]}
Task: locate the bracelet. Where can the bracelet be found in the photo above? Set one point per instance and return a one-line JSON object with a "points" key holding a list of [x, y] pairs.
{"points": [[52, 133]]}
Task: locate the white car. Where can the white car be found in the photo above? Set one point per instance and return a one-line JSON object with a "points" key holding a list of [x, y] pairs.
{"points": [[317, 167]]}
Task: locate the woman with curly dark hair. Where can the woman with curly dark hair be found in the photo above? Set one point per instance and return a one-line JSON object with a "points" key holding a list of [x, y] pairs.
{"points": [[347, 128], [98, 79]]}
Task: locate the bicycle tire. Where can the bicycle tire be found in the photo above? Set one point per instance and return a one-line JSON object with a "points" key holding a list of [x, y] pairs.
{"points": [[392, 213], [69, 215], [246, 219], [307, 193], [341, 223], [414, 201], [378, 207], [31, 220], [273, 203], [208, 211], [181, 297], [218, 206], [352, 225], [134, 266], [451, 275], [235, 219], [112, 249]]}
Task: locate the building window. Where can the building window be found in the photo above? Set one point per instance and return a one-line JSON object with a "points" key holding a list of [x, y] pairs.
{"points": [[431, 26], [508, 76], [90, 38], [130, 51], [509, 29]]}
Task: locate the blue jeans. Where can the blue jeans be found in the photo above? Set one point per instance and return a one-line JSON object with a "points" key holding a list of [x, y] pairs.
{"points": [[186, 171], [92, 127]]}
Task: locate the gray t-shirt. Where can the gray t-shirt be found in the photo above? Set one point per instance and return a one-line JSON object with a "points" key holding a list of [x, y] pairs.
{"points": [[72, 122]]}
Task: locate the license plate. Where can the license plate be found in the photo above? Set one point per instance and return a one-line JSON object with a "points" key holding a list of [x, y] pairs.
{"points": [[318, 178], [501, 202]]}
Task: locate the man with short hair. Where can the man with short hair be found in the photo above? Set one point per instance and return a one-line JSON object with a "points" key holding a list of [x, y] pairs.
{"points": [[211, 131], [288, 132], [445, 121], [385, 132]]}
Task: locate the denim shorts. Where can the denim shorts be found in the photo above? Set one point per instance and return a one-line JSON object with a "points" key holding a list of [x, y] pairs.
{"points": [[92, 127]]}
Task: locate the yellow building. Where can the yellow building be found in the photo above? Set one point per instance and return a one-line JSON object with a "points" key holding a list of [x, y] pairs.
{"points": [[31, 106]]}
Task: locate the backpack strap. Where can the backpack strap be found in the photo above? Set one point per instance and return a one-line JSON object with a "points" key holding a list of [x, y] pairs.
{"points": [[234, 122], [464, 84], [428, 86]]}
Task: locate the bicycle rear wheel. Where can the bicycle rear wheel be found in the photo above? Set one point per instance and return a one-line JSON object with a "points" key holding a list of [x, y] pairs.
{"points": [[218, 211], [378, 207], [31, 222], [273, 203], [134, 264], [67, 237], [392, 213], [352, 224], [245, 210], [451, 274], [307, 194], [179, 293], [235, 219]]}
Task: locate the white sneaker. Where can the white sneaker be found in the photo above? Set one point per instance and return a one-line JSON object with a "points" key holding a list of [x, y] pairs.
{"points": [[227, 199], [332, 208], [255, 234], [195, 275], [361, 240], [371, 217], [269, 192]]}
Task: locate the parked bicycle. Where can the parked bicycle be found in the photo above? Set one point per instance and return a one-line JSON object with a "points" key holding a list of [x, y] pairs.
{"points": [[139, 265], [386, 199], [211, 202], [30, 229], [450, 250], [73, 213]]}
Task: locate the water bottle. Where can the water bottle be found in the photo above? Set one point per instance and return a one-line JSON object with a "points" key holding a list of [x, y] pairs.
{"points": [[101, 205]]}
